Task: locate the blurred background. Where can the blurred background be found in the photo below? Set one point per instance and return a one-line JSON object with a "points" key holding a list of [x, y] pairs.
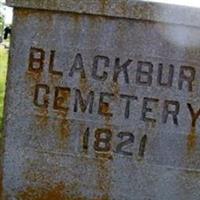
{"points": [[5, 24]]}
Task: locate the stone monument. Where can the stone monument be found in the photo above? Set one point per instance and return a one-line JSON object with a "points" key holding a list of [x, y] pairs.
{"points": [[102, 101]]}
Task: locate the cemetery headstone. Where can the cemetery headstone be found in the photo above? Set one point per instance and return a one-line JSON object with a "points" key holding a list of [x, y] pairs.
{"points": [[102, 101]]}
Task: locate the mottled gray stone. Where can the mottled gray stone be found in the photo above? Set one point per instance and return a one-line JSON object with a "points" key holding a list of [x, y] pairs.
{"points": [[56, 149], [135, 9]]}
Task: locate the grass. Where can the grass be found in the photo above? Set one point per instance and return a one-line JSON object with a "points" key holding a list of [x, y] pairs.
{"points": [[3, 72]]}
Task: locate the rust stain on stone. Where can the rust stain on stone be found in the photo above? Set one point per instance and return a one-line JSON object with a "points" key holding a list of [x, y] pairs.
{"points": [[103, 178], [24, 12], [64, 126], [76, 17], [56, 192], [54, 79], [192, 140], [61, 190], [104, 156], [35, 76], [104, 107], [32, 79], [42, 117]]}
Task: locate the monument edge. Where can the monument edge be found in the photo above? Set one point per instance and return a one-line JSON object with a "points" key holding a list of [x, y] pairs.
{"points": [[141, 10]]}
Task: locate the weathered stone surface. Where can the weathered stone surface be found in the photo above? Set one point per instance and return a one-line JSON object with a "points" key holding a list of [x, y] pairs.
{"points": [[102, 107], [142, 10]]}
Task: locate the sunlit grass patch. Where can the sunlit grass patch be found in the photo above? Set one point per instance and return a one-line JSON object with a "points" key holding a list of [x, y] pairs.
{"points": [[3, 71]]}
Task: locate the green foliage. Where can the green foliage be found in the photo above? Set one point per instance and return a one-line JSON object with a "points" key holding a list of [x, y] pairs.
{"points": [[3, 72], [1, 24], [1, 18]]}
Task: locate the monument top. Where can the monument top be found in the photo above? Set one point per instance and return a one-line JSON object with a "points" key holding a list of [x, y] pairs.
{"points": [[133, 9]]}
